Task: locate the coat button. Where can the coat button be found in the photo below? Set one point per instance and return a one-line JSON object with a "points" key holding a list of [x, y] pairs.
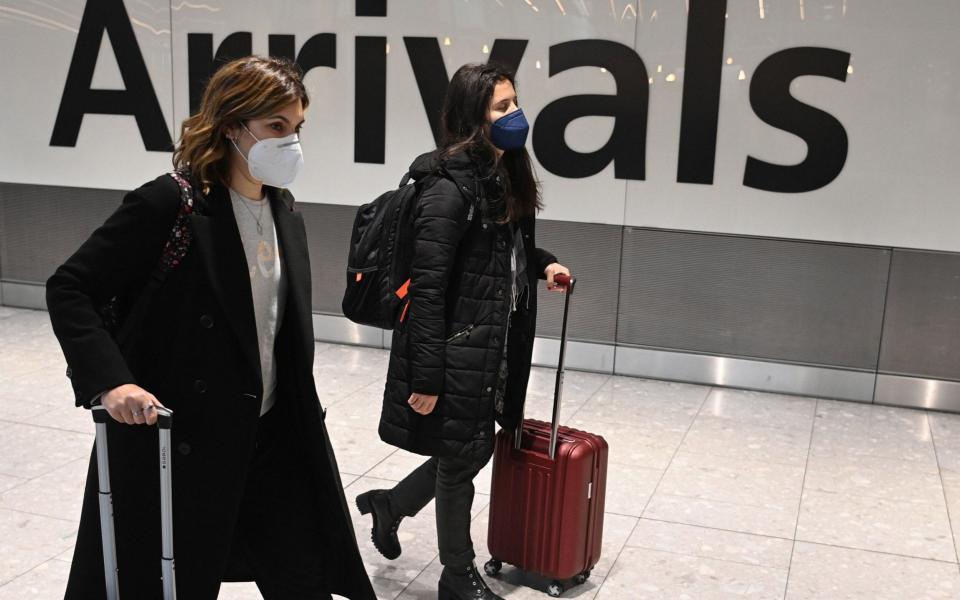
{"points": [[183, 448], [206, 321], [499, 292], [489, 389], [200, 386], [484, 225], [69, 372]]}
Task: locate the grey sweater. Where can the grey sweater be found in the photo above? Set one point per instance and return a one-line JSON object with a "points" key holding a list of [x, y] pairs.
{"points": [[268, 282]]}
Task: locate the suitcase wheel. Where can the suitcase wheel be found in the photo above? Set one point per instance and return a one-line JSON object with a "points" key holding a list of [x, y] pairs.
{"points": [[582, 578], [492, 567], [555, 589]]}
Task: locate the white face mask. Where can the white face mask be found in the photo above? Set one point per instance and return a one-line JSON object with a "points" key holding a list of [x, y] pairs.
{"points": [[274, 161]]}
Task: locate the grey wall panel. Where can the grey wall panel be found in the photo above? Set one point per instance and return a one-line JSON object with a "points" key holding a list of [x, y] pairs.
{"points": [[921, 334], [778, 300], [590, 250], [592, 253], [772, 299], [328, 237], [43, 225], [3, 229]]}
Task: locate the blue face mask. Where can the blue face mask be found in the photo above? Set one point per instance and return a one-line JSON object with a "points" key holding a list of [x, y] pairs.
{"points": [[509, 132]]}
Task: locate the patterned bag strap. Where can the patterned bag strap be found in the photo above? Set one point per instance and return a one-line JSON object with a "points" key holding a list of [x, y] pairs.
{"points": [[173, 253], [181, 235], [186, 189]]}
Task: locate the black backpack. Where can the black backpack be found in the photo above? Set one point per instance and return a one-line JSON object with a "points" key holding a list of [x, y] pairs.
{"points": [[381, 252]]}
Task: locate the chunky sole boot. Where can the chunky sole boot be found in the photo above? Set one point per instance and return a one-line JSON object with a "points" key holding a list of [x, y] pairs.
{"points": [[464, 583], [385, 524]]}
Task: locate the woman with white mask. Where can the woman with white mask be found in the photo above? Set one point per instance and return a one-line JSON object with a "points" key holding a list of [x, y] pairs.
{"points": [[195, 295]]}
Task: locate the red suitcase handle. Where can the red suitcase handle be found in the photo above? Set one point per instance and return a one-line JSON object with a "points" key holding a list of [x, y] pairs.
{"points": [[569, 282], [566, 281]]}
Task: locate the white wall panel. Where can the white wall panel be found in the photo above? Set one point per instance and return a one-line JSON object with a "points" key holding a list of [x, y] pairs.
{"points": [[464, 31], [37, 41], [897, 105]]}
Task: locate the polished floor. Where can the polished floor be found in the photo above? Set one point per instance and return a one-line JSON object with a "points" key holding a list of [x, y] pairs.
{"points": [[712, 493]]}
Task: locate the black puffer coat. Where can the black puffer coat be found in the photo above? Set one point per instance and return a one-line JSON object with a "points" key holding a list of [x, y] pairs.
{"points": [[450, 342]]}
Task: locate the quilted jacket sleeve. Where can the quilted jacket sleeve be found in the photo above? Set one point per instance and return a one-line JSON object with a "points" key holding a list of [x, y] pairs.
{"points": [[543, 260], [439, 226]]}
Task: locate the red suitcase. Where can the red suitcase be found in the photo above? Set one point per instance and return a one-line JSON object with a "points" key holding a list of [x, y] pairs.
{"points": [[547, 495]]}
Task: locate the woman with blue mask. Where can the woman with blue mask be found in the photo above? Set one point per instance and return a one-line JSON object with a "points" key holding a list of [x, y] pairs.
{"points": [[195, 295], [462, 347]]}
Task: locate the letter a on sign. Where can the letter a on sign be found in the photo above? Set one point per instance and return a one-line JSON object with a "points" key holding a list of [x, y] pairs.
{"points": [[137, 99]]}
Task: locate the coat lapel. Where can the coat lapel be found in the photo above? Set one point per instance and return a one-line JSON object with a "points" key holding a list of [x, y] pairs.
{"points": [[218, 241], [292, 237]]}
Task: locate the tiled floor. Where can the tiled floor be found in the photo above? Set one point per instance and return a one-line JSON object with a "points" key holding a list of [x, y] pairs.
{"points": [[712, 493]]}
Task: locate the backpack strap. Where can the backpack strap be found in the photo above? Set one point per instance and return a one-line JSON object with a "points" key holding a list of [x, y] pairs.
{"points": [[442, 172]]}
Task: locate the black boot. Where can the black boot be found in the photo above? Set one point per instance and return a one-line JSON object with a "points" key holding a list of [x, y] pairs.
{"points": [[385, 523], [464, 583]]}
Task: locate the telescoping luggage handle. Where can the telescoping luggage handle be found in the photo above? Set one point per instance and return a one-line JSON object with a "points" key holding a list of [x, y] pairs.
{"points": [[569, 283], [164, 421]]}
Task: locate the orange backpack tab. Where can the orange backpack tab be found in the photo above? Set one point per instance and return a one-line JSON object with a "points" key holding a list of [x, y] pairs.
{"points": [[404, 289], [403, 315]]}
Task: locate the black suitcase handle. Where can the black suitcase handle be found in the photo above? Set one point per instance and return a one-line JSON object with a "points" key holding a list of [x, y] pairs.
{"points": [[107, 535]]}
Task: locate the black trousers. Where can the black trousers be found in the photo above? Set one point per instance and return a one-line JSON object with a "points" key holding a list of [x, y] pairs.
{"points": [[450, 481], [279, 534]]}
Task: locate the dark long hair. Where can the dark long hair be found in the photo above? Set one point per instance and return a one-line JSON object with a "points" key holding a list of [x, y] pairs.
{"points": [[464, 125]]}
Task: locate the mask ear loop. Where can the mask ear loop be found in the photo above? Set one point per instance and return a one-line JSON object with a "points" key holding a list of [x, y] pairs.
{"points": [[244, 125], [234, 142], [239, 151]]}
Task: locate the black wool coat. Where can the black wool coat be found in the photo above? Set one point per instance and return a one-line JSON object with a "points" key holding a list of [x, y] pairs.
{"points": [[450, 342], [196, 350]]}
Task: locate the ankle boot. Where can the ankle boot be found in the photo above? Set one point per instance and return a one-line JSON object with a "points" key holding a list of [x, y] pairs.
{"points": [[385, 522], [464, 583]]}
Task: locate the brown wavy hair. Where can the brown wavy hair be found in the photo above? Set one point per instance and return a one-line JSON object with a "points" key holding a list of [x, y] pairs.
{"points": [[247, 88]]}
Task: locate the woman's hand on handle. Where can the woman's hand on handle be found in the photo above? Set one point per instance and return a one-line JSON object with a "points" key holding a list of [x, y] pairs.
{"points": [[422, 404], [553, 270], [131, 404]]}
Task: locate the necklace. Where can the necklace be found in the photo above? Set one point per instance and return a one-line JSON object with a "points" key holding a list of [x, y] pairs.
{"points": [[255, 217]]}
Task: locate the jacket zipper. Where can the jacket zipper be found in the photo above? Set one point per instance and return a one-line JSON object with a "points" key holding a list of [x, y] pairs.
{"points": [[460, 334]]}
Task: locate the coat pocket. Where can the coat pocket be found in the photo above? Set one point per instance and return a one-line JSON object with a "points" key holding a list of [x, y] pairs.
{"points": [[462, 334]]}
